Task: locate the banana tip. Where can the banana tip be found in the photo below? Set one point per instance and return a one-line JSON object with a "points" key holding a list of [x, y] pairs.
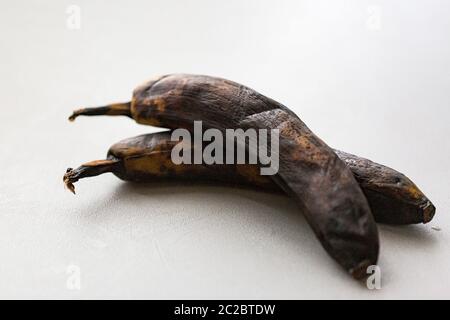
{"points": [[72, 117], [68, 183], [428, 212], [75, 114], [360, 271]]}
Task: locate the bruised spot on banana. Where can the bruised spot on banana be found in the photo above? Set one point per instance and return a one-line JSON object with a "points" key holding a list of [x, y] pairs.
{"points": [[309, 171]]}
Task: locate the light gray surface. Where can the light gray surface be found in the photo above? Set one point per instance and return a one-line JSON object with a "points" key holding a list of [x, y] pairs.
{"points": [[371, 78]]}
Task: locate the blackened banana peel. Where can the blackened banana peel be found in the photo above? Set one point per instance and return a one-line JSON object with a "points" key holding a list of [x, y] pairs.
{"points": [[309, 170], [393, 198]]}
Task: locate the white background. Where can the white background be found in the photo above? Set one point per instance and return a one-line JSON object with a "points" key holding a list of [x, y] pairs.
{"points": [[369, 77]]}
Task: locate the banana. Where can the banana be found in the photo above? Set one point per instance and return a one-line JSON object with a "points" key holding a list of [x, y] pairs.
{"points": [[309, 171], [393, 198]]}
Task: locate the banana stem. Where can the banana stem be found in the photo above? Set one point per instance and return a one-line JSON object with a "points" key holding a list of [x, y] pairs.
{"points": [[90, 169], [115, 109]]}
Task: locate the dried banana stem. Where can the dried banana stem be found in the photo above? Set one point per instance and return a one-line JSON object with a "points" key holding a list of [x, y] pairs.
{"points": [[90, 169], [115, 109]]}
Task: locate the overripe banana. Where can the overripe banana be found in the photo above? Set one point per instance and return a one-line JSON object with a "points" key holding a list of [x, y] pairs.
{"points": [[393, 197], [309, 171]]}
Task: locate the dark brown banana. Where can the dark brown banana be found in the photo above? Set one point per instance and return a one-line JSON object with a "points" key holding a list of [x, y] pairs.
{"points": [[322, 185], [393, 198]]}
